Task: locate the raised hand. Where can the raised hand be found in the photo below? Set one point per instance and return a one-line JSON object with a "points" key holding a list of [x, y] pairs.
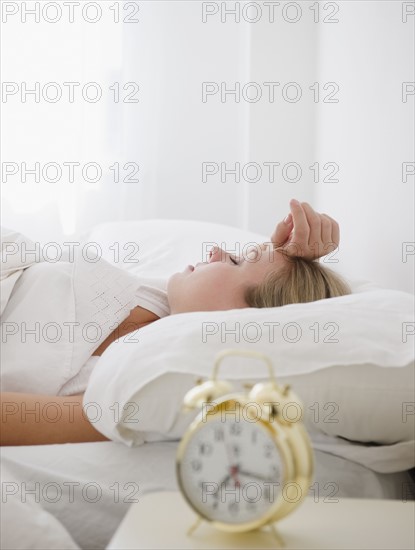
{"points": [[305, 233]]}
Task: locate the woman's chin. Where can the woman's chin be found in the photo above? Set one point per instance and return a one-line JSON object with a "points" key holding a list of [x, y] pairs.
{"points": [[169, 281]]}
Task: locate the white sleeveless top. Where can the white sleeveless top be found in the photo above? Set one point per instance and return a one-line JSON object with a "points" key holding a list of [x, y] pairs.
{"points": [[58, 313]]}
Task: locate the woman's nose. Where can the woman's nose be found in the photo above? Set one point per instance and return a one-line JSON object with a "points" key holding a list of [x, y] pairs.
{"points": [[216, 254]]}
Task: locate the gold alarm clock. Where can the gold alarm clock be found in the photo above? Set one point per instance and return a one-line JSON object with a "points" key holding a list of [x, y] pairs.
{"points": [[246, 460]]}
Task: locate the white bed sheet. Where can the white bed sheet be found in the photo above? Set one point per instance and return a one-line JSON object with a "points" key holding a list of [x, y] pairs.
{"points": [[88, 487], [25, 524]]}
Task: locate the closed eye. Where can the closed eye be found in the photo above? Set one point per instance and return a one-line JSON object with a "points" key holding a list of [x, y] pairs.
{"points": [[233, 260]]}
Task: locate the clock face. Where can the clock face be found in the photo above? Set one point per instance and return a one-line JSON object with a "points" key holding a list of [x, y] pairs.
{"points": [[231, 471]]}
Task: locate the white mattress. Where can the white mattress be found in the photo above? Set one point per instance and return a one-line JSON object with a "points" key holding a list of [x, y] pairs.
{"points": [[88, 488]]}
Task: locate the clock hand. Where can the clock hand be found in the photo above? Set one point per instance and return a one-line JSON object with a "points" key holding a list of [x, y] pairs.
{"points": [[223, 482], [234, 468], [256, 476], [234, 474]]}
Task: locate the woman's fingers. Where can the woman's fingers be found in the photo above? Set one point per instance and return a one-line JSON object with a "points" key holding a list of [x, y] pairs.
{"points": [[314, 243], [301, 231], [326, 234], [282, 232], [335, 231]]}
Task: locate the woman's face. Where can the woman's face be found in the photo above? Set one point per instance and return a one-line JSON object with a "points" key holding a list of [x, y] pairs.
{"points": [[221, 282]]}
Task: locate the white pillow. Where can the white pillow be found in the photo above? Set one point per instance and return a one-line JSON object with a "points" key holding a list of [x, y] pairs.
{"points": [[364, 380]]}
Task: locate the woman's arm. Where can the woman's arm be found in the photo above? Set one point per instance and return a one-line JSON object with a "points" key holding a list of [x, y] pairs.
{"points": [[138, 318], [32, 419]]}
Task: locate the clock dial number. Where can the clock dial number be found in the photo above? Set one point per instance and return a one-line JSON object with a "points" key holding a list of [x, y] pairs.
{"points": [[268, 450], [219, 434], [196, 465], [233, 508], [235, 428], [205, 449]]}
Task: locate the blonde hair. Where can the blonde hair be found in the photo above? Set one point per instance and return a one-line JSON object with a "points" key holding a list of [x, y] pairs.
{"points": [[298, 281]]}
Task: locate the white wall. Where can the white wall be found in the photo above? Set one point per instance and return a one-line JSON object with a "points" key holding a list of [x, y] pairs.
{"points": [[172, 132], [182, 132], [282, 131], [370, 133]]}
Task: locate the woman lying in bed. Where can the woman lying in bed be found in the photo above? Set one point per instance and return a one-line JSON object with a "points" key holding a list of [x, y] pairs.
{"points": [[281, 272]]}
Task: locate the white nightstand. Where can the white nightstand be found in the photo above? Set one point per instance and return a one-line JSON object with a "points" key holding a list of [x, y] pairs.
{"points": [[161, 520]]}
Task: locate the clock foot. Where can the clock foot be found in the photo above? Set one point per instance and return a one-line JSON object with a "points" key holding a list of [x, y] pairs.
{"points": [[279, 539], [194, 526]]}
